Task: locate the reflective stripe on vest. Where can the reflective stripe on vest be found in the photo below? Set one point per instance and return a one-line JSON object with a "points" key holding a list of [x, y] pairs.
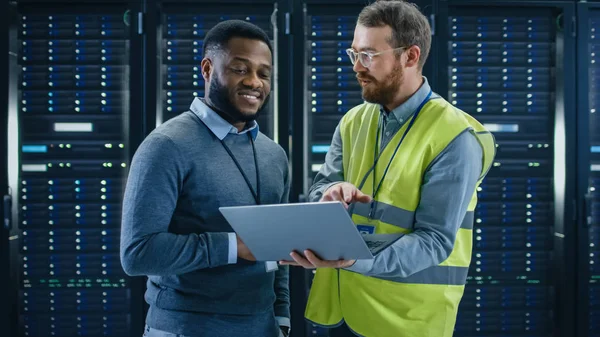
{"points": [[449, 275], [399, 217]]}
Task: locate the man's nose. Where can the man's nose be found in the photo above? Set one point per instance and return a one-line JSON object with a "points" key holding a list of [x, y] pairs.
{"points": [[252, 81], [358, 66]]}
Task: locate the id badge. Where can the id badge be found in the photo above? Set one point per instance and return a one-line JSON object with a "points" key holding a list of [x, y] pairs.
{"points": [[366, 229]]}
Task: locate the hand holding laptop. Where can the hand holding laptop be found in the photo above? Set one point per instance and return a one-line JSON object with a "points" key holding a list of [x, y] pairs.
{"points": [[312, 261]]}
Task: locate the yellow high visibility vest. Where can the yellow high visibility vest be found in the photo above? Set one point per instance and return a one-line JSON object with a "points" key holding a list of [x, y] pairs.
{"points": [[424, 304]]}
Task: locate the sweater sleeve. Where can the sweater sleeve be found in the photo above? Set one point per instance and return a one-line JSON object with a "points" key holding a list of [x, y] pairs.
{"points": [[147, 247]]}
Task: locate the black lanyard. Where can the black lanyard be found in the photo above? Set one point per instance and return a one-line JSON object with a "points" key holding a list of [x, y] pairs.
{"points": [[256, 194], [377, 155]]}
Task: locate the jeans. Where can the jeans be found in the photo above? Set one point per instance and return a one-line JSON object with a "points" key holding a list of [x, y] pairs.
{"points": [[341, 331]]}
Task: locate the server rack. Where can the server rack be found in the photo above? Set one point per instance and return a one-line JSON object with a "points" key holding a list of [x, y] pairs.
{"points": [[331, 87], [589, 169], [182, 27], [504, 66], [69, 151]]}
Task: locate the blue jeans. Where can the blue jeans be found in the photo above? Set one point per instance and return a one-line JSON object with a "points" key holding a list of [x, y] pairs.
{"points": [[341, 331]]}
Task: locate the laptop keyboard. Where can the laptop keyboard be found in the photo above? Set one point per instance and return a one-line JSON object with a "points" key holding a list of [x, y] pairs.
{"points": [[375, 244]]}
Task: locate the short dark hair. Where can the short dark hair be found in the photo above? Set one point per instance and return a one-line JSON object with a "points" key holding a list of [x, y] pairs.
{"points": [[409, 26], [217, 38]]}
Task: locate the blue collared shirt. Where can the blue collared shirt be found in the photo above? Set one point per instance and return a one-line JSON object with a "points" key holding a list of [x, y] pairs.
{"points": [[395, 119], [217, 124]]}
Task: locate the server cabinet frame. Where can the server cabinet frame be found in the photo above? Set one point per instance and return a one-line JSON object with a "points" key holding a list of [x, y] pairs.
{"points": [[583, 197], [133, 133], [12, 159], [565, 148], [296, 155], [140, 118], [6, 310]]}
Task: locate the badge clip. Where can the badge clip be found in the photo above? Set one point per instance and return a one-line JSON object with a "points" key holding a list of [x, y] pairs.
{"points": [[372, 211]]}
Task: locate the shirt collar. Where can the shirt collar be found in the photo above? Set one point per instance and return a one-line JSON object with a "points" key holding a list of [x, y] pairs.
{"points": [[406, 109], [217, 124]]}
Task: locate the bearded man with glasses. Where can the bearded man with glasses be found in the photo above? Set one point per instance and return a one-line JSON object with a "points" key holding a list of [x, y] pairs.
{"points": [[406, 161]]}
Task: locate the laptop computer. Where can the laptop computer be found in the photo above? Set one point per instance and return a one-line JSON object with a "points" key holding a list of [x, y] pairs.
{"points": [[272, 232]]}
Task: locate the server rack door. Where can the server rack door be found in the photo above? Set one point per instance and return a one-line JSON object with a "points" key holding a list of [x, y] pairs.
{"points": [[330, 86], [329, 90], [180, 40], [589, 154], [68, 128], [503, 66]]}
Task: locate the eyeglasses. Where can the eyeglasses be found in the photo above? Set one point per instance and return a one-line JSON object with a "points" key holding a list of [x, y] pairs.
{"points": [[365, 57]]}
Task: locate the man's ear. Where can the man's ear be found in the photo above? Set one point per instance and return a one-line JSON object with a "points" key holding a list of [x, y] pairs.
{"points": [[207, 68], [413, 54]]}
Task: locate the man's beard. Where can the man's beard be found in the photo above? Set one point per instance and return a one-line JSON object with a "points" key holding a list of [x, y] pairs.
{"points": [[383, 93], [218, 95]]}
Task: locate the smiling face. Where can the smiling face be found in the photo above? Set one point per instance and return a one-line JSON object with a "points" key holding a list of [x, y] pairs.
{"points": [[382, 81], [239, 79]]}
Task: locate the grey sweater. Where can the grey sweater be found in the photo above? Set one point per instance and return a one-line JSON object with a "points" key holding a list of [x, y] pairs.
{"points": [[173, 232]]}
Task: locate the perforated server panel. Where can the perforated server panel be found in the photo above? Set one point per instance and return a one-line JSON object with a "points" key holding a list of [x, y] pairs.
{"points": [[593, 49], [331, 85], [502, 71], [72, 111], [182, 35]]}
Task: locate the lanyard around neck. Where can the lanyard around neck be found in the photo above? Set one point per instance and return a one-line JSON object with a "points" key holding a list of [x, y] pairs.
{"points": [[376, 155], [255, 194]]}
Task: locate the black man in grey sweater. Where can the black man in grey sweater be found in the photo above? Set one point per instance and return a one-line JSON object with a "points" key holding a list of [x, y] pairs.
{"points": [[202, 279]]}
